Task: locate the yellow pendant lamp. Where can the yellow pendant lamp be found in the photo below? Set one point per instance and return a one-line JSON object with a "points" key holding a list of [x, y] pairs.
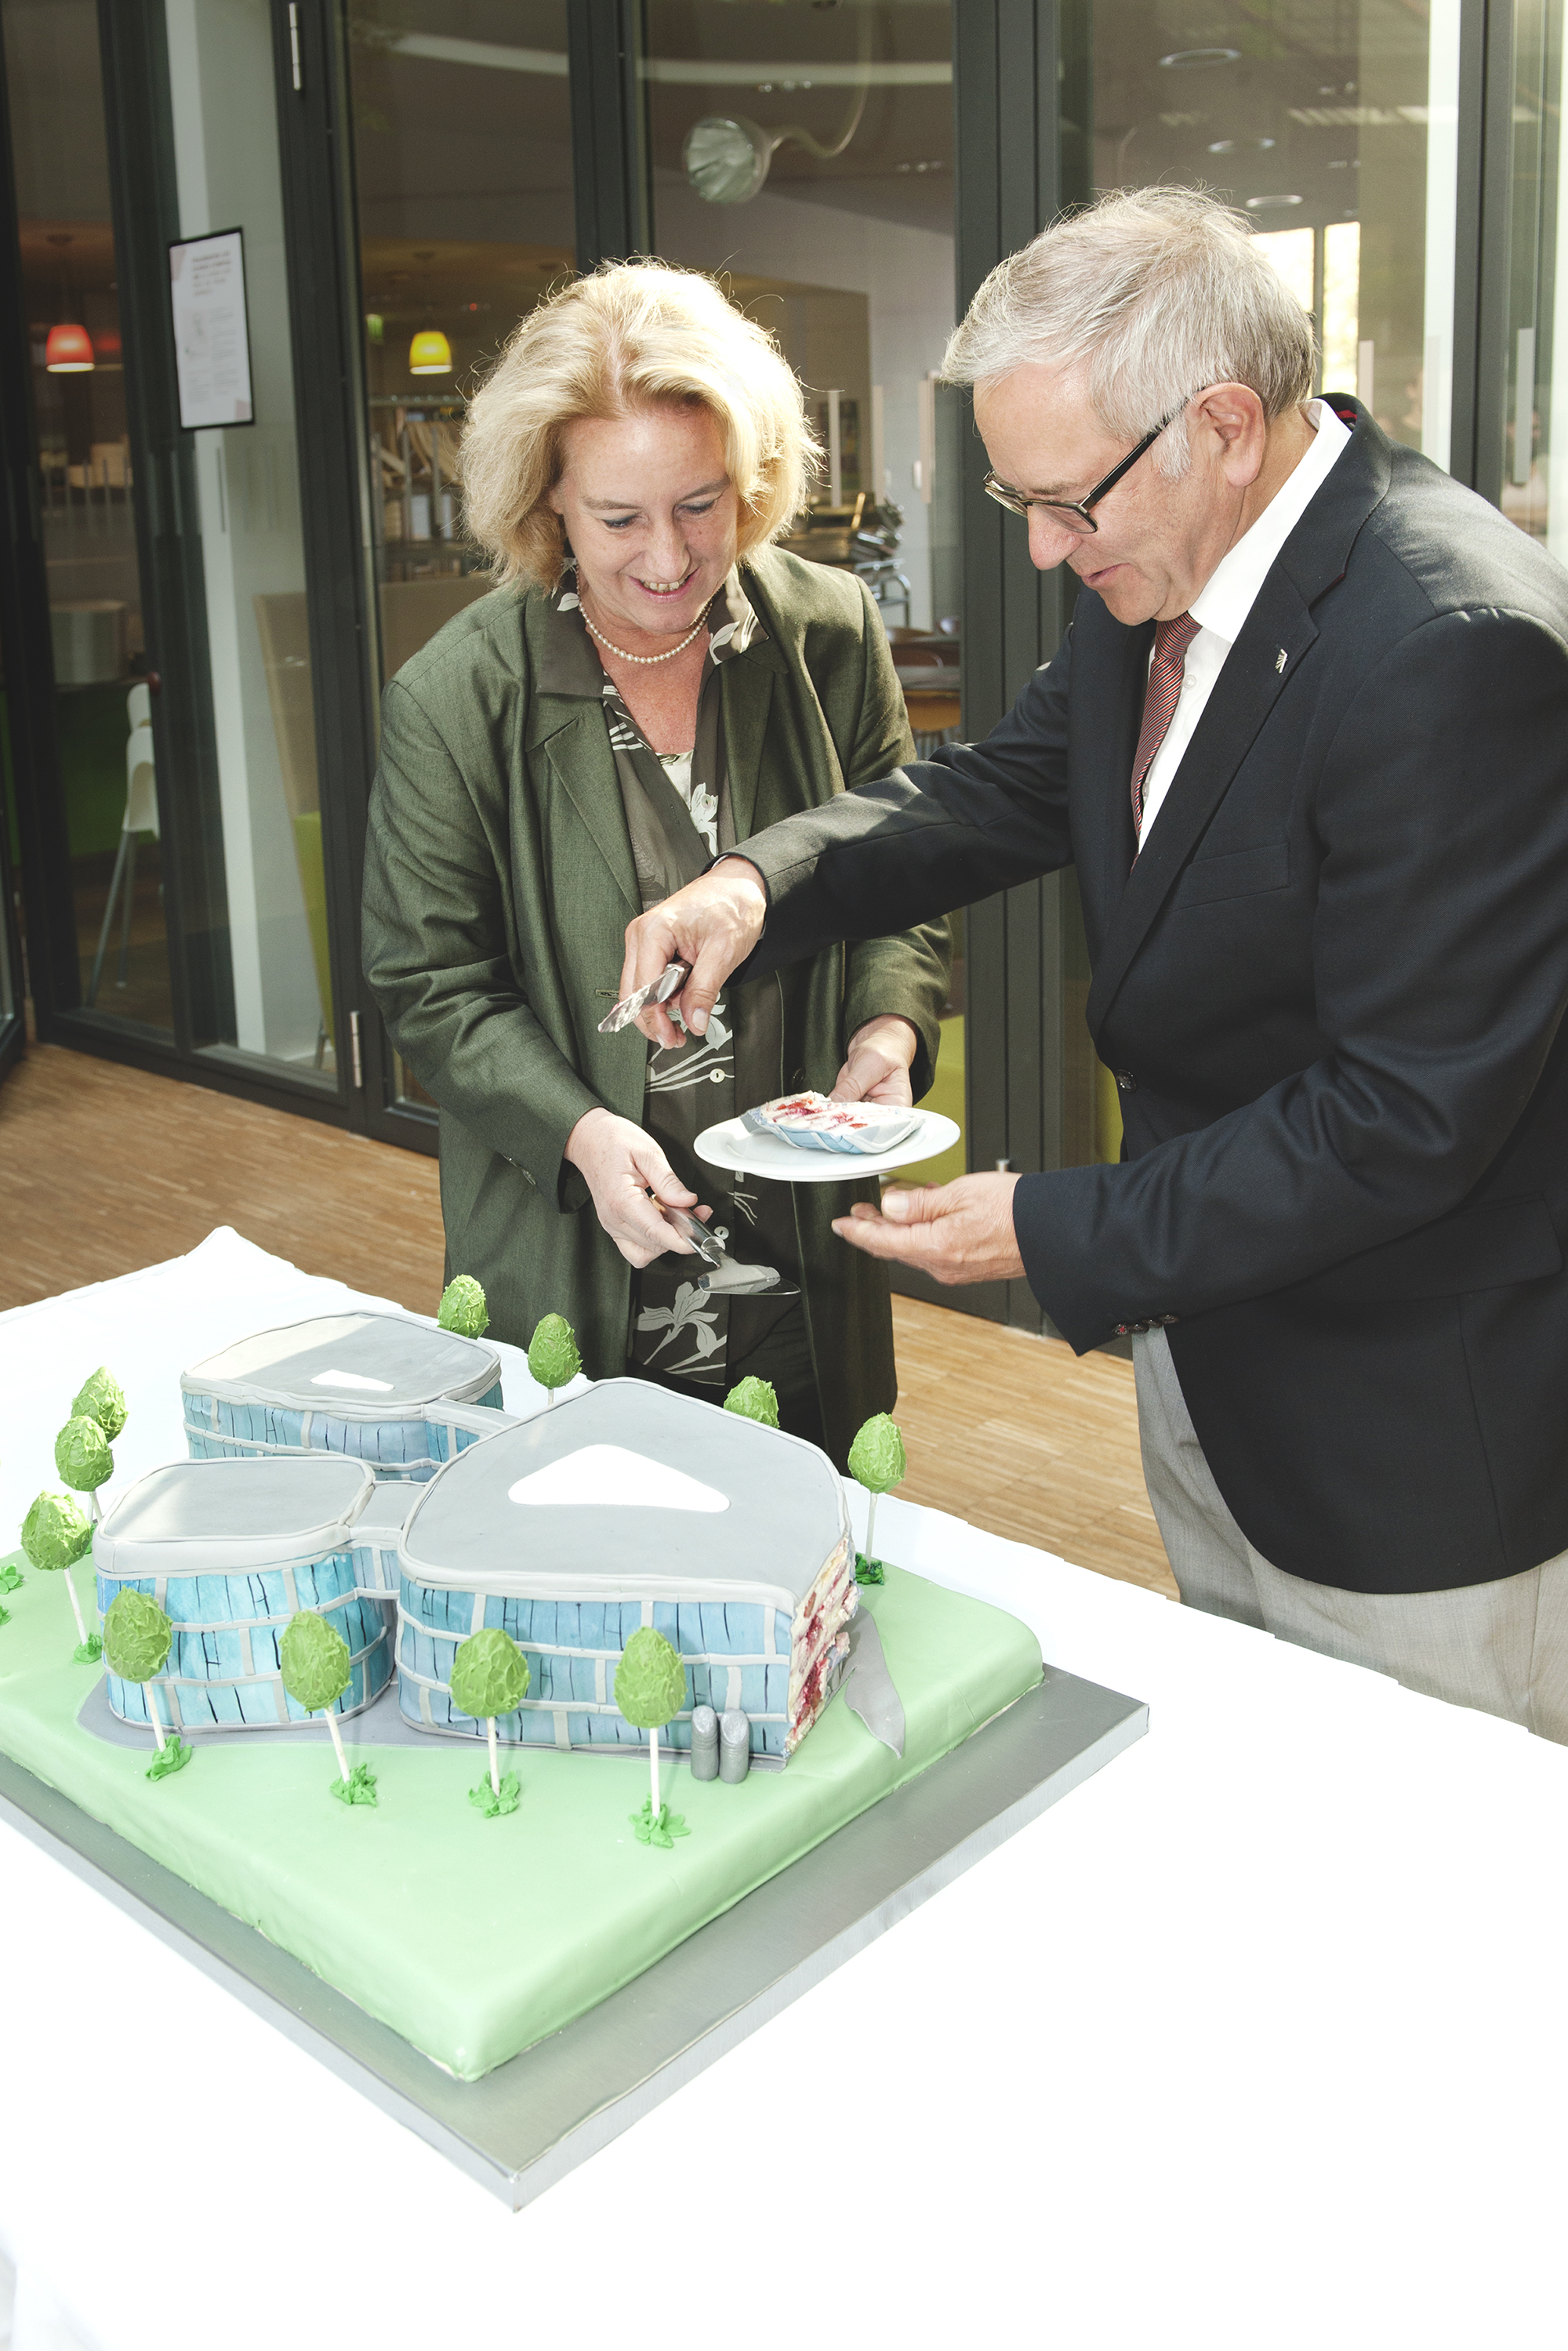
{"points": [[430, 353]]}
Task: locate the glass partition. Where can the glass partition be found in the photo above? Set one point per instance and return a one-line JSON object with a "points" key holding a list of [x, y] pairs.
{"points": [[463, 181], [1530, 425], [252, 554], [87, 498], [805, 155]]}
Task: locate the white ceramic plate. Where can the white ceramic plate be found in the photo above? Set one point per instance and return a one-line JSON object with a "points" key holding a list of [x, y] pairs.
{"points": [[732, 1145]]}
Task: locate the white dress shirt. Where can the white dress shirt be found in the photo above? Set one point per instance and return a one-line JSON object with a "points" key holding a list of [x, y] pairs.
{"points": [[1229, 594]]}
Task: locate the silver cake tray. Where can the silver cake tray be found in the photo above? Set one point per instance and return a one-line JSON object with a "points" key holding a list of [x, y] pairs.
{"points": [[534, 2119]]}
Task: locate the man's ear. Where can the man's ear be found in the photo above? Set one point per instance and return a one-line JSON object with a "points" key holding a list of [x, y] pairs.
{"points": [[1234, 415]]}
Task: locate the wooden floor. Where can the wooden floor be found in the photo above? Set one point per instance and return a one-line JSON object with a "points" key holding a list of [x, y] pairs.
{"points": [[103, 1169]]}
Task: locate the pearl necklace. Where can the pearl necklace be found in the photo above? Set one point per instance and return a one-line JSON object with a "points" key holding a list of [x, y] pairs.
{"points": [[642, 661]]}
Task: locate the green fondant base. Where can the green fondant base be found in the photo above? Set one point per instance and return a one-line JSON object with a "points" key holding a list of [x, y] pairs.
{"points": [[472, 1938]]}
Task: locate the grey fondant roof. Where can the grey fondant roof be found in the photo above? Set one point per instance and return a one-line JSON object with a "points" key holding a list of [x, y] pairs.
{"points": [[411, 1363], [229, 1518], [784, 1519]]}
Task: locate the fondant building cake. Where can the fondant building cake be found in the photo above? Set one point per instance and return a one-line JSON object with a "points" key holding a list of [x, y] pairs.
{"points": [[378, 1387], [623, 1507], [229, 1551]]}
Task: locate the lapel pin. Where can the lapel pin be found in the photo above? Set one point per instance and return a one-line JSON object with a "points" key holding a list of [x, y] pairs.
{"points": [[1278, 665]]}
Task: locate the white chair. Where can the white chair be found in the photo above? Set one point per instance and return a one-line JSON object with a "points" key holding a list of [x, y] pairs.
{"points": [[141, 816]]}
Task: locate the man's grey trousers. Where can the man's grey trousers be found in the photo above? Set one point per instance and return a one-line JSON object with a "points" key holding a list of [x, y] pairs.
{"points": [[1502, 1647]]}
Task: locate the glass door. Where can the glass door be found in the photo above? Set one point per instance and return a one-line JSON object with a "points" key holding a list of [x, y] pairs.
{"points": [[110, 877], [466, 216], [176, 802], [807, 157], [245, 539], [1523, 412]]}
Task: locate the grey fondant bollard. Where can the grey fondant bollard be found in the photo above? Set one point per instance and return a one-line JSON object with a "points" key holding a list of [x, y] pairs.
{"points": [[734, 1745], [705, 1743]]}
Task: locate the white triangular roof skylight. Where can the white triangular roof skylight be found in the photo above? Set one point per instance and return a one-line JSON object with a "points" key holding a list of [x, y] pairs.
{"points": [[612, 1475]]}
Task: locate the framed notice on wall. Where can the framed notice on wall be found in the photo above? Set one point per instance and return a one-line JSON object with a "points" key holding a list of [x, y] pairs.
{"points": [[212, 338]]}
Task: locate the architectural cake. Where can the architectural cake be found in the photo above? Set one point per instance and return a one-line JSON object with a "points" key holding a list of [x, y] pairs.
{"points": [[624, 1507], [384, 1389], [359, 1469]]}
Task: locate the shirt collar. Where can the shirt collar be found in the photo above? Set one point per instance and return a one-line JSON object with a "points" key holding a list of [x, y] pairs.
{"points": [[570, 663], [1231, 590]]}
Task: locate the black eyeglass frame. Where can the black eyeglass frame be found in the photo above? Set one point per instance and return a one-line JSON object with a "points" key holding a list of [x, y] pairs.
{"points": [[1016, 503]]}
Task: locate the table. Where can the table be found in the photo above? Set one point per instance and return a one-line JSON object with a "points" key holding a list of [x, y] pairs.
{"points": [[1255, 2042]]}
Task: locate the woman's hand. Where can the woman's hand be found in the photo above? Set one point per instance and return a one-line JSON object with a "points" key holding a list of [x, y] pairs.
{"points": [[876, 1067], [620, 1165]]}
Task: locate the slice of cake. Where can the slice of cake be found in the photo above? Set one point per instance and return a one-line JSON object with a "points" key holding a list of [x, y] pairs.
{"points": [[623, 1507], [812, 1123], [380, 1387]]}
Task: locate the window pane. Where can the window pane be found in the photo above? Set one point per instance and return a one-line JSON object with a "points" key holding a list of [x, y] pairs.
{"points": [[252, 554], [89, 511], [805, 156], [1535, 413], [1336, 131], [462, 172]]}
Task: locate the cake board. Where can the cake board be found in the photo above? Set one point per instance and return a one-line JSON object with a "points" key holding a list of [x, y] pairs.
{"points": [[534, 2119]]}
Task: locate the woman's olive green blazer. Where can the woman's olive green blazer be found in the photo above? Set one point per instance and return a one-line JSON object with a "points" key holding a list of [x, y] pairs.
{"points": [[498, 886]]}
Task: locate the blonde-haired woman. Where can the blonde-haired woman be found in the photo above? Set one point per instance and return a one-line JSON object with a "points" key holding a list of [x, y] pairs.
{"points": [[650, 683]]}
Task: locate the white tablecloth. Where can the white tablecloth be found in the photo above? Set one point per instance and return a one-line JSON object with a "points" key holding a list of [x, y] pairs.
{"points": [[1255, 2041]]}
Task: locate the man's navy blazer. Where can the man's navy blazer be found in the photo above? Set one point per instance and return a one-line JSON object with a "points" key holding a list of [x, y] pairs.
{"points": [[1333, 984]]}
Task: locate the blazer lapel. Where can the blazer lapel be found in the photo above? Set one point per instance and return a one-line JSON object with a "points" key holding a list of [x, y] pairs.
{"points": [[1313, 561], [571, 738], [1247, 687], [747, 689]]}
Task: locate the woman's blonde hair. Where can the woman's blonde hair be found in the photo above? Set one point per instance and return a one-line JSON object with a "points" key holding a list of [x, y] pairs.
{"points": [[630, 336]]}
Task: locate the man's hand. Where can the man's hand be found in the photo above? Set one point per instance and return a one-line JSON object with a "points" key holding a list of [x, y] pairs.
{"points": [[876, 1067], [620, 1165], [713, 925], [955, 1232]]}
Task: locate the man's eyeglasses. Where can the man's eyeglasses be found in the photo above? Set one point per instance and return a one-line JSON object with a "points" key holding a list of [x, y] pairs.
{"points": [[1077, 516]]}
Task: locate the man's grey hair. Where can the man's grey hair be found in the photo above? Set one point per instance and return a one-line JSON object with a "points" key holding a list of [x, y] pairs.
{"points": [[1154, 293]]}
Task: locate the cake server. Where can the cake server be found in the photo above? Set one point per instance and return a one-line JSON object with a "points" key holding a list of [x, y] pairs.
{"points": [[670, 982], [723, 1275]]}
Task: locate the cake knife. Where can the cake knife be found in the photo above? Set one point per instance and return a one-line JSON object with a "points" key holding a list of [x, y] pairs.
{"points": [[670, 982], [725, 1275]]}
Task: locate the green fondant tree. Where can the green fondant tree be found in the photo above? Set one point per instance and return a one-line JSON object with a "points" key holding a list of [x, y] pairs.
{"points": [[314, 1660], [553, 1359], [754, 1399], [650, 1687], [136, 1637], [56, 1533], [877, 1461], [101, 1398], [490, 1677], [462, 1308]]}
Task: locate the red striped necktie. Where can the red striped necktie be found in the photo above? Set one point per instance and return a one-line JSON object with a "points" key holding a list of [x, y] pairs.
{"points": [[1171, 639]]}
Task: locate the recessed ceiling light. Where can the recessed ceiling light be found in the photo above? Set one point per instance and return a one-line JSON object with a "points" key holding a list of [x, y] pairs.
{"points": [[1230, 146], [1262, 203], [1180, 59]]}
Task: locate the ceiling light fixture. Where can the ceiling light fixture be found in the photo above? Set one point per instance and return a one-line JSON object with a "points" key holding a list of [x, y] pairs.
{"points": [[727, 157], [430, 353], [1264, 203], [1185, 60], [68, 350]]}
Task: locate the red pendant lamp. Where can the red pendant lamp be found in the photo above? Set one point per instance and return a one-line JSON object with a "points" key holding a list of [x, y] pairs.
{"points": [[68, 350]]}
